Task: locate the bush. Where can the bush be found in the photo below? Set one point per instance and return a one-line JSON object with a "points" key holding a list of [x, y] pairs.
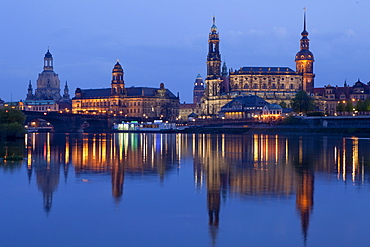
{"points": [[12, 130], [291, 120]]}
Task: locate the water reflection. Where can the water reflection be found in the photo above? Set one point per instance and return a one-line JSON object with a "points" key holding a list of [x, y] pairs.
{"points": [[247, 167], [135, 154], [271, 166]]}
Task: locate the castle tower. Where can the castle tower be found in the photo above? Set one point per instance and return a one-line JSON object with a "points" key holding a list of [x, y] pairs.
{"points": [[48, 84], [304, 60], [198, 91], [213, 80], [118, 84]]}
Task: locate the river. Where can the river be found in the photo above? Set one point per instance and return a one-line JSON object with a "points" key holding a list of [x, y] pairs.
{"points": [[147, 189]]}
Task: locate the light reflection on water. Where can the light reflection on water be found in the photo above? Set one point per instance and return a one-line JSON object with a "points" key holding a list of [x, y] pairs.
{"points": [[230, 169]]}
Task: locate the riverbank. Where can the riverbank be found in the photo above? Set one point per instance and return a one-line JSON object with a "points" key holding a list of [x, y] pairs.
{"points": [[277, 129]]}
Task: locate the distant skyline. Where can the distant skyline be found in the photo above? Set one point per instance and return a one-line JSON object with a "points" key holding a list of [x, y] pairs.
{"points": [[166, 41]]}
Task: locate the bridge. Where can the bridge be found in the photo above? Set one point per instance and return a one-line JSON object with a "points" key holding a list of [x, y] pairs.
{"points": [[68, 122]]}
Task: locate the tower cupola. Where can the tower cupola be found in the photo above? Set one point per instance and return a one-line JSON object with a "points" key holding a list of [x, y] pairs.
{"points": [[48, 61], [118, 84]]}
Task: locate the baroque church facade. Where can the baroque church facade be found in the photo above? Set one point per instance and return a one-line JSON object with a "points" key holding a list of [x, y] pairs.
{"points": [[273, 84]]}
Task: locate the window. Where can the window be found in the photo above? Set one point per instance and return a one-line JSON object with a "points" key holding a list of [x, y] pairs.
{"points": [[282, 86]]}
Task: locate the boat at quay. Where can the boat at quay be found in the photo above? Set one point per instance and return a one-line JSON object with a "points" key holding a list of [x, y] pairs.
{"points": [[155, 126]]}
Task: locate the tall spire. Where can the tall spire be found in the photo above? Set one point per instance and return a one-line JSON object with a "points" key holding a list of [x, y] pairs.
{"points": [[304, 19], [304, 59]]}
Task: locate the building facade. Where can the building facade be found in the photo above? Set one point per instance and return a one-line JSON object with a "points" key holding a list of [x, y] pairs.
{"points": [[273, 84], [133, 102], [331, 96]]}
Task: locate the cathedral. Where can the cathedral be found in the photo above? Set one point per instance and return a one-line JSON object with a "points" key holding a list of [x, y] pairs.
{"points": [[273, 84]]}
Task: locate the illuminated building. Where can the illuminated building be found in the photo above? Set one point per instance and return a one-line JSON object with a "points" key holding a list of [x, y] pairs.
{"points": [[138, 102], [243, 107], [272, 112], [273, 84], [47, 94], [331, 96], [189, 111]]}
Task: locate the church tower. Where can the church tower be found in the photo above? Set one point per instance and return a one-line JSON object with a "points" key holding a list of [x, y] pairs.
{"points": [[304, 61], [225, 87], [48, 84], [213, 80], [198, 91], [66, 92], [30, 92], [118, 84]]}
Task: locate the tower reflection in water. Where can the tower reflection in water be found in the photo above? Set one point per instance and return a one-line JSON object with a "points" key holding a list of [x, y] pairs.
{"points": [[270, 166], [245, 166], [107, 154]]}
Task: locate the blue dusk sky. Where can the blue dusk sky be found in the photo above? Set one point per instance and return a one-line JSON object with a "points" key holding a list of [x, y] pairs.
{"points": [[166, 40]]}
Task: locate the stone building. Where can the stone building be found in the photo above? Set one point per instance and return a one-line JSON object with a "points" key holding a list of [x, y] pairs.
{"points": [[136, 102], [273, 84], [330, 96]]}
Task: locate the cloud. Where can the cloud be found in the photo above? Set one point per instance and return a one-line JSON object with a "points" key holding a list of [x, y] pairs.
{"points": [[350, 33], [280, 32]]}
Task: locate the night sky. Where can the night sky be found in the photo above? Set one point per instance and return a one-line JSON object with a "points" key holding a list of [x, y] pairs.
{"points": [[166, 41]]}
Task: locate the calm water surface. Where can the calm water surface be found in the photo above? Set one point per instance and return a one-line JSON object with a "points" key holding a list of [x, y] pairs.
{"points": [[185, 190]]}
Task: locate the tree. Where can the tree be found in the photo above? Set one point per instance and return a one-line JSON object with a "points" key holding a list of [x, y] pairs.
{"points": [[9, 115], [363, 105], [283, 104], [11, 123], [349, 107], [341, 107], [302, 103]]}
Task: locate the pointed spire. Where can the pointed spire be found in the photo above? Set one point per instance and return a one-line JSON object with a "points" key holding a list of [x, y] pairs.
{"points": [[304, 19], [304, 32], [214, 27]]}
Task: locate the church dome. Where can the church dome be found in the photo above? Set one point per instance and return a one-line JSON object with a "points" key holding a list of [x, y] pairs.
{"points": [[117, 67], [304, 55], [48, 54]]}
